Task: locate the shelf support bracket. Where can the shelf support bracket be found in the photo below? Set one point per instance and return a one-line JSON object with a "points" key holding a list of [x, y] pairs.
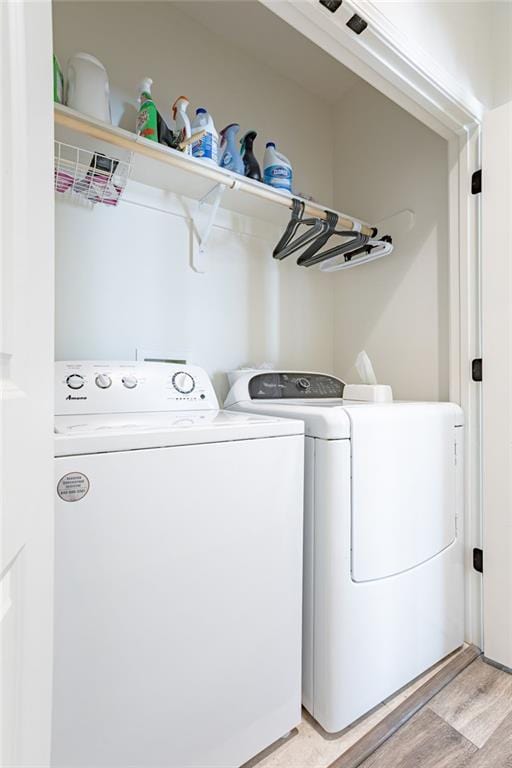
{"points": [[200, 237], [397, 224]]}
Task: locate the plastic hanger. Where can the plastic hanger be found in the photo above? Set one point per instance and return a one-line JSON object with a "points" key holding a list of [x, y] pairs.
{"points": [[311, 255], [286, 244], [374, 249]]}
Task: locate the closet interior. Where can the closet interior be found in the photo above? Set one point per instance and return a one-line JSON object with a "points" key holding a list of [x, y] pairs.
{"points": [[180, 265]]}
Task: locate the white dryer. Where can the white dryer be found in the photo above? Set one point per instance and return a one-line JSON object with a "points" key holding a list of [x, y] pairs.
{"points": [[383, 540], [178, 583]]}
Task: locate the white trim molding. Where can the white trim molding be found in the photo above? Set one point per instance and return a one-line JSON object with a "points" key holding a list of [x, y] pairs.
{"points": [[387, 59]]}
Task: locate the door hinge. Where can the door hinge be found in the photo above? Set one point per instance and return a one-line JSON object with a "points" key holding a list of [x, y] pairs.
{"points": [[476, 369], [357, 24], [331, 5], [478, 560], [476, 182]]}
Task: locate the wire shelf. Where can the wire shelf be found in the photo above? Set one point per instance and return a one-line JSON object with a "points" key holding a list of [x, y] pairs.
{"points": [[89, 177]]}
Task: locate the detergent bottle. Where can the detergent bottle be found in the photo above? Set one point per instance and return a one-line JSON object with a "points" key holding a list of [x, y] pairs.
{"points": [[147, 119], [277, 169], [229, 155], [207, 147], [251, 166], [182, 121]]}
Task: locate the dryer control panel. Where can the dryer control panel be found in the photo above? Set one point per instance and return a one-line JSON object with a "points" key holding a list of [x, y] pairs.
{"points": [[84, 386], [276, 385]]}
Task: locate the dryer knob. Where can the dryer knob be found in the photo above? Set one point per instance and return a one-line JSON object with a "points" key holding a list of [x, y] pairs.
{"points": [[303, 384], [129, 381], [103, 381], [75, 381]]}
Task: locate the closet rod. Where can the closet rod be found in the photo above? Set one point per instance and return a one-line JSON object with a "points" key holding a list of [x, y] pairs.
{"points": [[132, 143]]}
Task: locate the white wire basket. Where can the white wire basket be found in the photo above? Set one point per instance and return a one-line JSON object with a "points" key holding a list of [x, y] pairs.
{"points": [[89, 177]]}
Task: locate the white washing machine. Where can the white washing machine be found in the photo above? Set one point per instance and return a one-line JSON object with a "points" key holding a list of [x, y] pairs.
{"points": [[178, 584], [383, 539]]}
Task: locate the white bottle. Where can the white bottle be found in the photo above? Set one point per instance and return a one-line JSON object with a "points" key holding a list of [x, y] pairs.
{"points": [[277, 169], [207, 147], [182, 121], [88, 88]]}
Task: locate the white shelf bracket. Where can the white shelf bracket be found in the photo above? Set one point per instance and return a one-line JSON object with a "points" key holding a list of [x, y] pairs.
{"points": [[397, 224], [200, 237]]}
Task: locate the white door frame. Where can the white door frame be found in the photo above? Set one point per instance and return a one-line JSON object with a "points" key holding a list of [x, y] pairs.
{"points": [[497, 384], [389, 61], [26, 383]]}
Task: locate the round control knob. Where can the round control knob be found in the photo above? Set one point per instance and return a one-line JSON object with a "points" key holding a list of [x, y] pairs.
{"points": [[75, 381], [103, 381], [183, 382], [303, 384], [129, 381]]}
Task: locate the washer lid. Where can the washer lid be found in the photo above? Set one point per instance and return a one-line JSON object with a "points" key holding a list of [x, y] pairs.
{"points": [[131, 431]]}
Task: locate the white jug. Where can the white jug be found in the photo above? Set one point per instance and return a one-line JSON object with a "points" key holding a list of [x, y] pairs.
{"points": [[87, 87]]}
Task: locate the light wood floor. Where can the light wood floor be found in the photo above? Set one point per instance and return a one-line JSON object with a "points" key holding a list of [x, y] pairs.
{"points": [[467, 725]]}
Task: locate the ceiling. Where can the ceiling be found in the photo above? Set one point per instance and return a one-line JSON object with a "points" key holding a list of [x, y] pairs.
{"points": [[265, 37]]}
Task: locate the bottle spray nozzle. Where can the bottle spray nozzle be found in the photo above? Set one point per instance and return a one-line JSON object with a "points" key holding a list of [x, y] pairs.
{"points": [[145, 87], [181, 102]]}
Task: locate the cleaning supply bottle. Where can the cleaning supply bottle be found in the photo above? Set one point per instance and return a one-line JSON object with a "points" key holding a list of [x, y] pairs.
{"points": [[147, 117], [251, 166], [182, 121], [207, 147], [58, 82], [277, 169], [229, 155]]}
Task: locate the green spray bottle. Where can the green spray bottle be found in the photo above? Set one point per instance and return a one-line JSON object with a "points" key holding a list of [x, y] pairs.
{"points": [[147, 117]]}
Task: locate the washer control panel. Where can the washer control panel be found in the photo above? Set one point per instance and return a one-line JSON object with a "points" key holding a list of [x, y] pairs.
{"points": [[84, 386], [278, 386]]}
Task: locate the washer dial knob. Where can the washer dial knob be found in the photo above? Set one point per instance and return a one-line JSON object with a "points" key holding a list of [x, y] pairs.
{"points": [[303, 384], [75, 381], [129, 381], [183, 382], [103, 381]]}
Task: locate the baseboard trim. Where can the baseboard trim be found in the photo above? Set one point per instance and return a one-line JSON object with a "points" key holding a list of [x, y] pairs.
{"points": [[501, 667], [371, 741]]}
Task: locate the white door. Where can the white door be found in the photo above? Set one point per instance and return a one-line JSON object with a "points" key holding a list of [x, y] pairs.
{"points": [[497, 382], [26, 353]]}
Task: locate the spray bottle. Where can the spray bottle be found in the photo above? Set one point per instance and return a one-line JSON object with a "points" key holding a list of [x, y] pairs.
{"points": [[147, 119], [182, 121], [229, 155], [251, 165]]}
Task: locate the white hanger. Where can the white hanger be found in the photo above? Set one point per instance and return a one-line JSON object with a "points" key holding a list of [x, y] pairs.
{"points": [[380, 248]]}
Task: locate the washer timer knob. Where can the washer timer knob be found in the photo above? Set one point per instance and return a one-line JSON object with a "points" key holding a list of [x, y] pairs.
{"points": [[75, 381], [183, 382], [303, 383], [129, 381], [103, 381]]}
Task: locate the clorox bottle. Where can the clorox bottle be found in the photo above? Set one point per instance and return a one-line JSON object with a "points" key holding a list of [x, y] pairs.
{"points": [[207, 147], [277, 169]]}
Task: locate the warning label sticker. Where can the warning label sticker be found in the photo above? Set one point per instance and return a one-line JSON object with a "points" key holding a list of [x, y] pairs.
{"points": [[73, 486]]}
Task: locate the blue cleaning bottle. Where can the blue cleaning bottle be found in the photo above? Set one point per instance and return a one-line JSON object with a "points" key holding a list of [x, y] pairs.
{"points": [[207, 147], [229, 155], [277, 169]]}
